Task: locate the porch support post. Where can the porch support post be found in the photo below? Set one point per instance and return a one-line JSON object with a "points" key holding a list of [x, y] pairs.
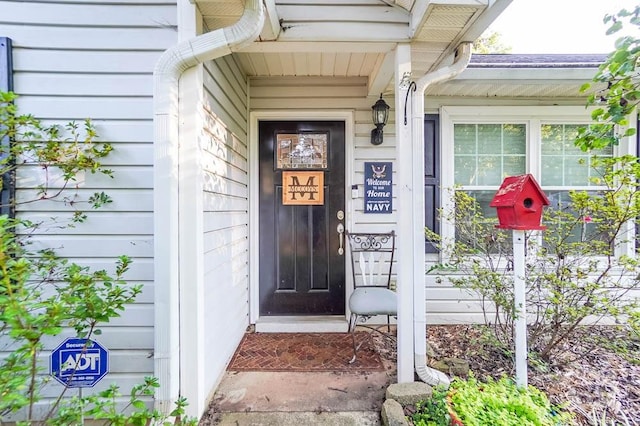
{"points": [[406, 234], [191, 244], [190, 224], [461, 60]]}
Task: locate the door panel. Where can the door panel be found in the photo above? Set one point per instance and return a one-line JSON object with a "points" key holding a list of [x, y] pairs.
{"points": [[301, 269]]}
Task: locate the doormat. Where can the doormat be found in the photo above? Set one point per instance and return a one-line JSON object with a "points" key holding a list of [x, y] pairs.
{"points": [[304, 352]]}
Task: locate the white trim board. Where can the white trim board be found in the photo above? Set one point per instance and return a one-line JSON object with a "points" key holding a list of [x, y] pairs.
{"points": [[302, 324]]}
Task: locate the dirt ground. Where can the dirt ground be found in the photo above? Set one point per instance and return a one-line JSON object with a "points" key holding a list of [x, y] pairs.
{"points": [[603, 376]]}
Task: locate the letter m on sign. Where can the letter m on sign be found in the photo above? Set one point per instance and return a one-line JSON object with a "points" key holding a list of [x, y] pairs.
{"points": [[303, 188]]}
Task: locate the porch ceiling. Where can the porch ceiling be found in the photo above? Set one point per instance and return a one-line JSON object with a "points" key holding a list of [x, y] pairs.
{"points": [[355, 38]]}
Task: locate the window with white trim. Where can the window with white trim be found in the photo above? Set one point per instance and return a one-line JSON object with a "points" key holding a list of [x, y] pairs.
{"points": [[483, 145]]}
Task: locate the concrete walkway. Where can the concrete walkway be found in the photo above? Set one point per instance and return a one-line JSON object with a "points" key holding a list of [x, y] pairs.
{"points": [[287, 398]]}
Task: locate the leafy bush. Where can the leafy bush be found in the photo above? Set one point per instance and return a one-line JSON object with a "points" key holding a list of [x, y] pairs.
{"points": [[576, 271], [502, 402], [61, 153], [41, 294], [433, 411], [104, 406], [494, 402]]}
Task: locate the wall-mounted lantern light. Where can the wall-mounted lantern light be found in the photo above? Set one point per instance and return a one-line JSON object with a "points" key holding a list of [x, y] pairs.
{"points": [[380, 112]]}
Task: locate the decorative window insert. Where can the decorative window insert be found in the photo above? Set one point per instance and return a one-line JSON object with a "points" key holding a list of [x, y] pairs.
{"points": [[302, 151]]}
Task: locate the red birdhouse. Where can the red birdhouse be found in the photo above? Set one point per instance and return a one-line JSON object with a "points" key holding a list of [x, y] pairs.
{"points": [[519, 203]]}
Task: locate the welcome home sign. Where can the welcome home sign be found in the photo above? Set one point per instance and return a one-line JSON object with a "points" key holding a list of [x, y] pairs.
{"points": [[378, 183]]}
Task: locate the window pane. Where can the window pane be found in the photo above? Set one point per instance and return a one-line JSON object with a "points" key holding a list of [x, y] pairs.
{"points": [[483, 198], [570, 135], [576, 171], [475, 224], [513, 166], [486, 153], [558, 200], [598, 171], [552, 143], [552, 168], [514, 136], [562, 163], [465, 167], [489, 170], [489, 138], [564, 223], [465, 138], [606, 152]]}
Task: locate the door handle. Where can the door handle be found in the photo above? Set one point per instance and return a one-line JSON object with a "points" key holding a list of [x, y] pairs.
{"points": [[340, 230]]}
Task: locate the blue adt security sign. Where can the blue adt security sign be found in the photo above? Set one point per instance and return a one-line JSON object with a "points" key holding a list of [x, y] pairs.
{"points": [[79, 363]]}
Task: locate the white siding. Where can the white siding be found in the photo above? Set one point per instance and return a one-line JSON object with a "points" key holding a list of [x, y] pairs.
{"points": [[79, 59], [225, 195]]}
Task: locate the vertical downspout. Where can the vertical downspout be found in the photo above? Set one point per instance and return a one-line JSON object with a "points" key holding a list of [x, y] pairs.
{"points": [[426, 374], [167, 72]]}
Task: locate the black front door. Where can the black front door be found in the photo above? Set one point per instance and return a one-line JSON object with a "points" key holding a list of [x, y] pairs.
{"points": [[302, 266]]}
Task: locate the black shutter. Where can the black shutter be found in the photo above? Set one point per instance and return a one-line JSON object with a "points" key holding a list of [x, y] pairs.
{"points": [[7, 194], [431, 175]]}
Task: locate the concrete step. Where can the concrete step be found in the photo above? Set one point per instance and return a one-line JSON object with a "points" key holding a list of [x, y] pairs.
{"points": [[342, 418]]}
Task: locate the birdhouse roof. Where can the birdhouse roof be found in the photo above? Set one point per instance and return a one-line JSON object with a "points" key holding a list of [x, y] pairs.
{"points": [[515, 188]]}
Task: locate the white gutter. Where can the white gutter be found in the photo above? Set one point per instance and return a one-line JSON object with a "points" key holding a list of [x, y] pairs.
{"points": [[461, 60], [171, 65]]}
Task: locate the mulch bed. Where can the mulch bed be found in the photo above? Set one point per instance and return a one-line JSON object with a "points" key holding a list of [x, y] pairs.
{"points": [[305, 352], [594, 376]]}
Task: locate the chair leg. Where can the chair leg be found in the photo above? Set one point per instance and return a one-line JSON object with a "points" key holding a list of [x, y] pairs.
{"points": [[352, 328]]}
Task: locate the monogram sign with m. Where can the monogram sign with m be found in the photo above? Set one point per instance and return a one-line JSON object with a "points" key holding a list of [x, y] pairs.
{"points": [[303, 188]]}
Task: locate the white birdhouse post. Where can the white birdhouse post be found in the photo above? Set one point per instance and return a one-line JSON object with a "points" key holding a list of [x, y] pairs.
{"points": [[519, 203]]}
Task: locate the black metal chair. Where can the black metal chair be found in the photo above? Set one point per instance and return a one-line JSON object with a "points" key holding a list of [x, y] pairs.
{"points": [[371, 265]]}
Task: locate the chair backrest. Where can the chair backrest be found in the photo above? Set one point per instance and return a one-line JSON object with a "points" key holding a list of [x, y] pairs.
{"points": [[371, 258]]}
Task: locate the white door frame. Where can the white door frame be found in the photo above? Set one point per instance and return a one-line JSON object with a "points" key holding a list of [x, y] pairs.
{"points": [[348, 116]]}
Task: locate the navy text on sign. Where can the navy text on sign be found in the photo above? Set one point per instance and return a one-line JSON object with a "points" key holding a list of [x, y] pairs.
{"points": [[79, 363], [378, 187]]}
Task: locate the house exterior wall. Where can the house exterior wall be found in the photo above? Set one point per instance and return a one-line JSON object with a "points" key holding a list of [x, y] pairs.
{"points": [[77, 60], [224, 156], [444, 303]]}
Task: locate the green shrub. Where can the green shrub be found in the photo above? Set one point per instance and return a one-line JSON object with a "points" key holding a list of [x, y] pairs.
{"points": [[42, 295], [502, 402], [577, 271], [494, 402], [433, 411]]}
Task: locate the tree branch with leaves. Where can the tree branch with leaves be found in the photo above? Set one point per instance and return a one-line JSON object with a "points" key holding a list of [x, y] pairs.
{"points": [[617, 85]]}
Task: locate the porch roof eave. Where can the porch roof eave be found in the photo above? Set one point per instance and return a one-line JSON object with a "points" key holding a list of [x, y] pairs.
{"points": [[370, 28]]}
